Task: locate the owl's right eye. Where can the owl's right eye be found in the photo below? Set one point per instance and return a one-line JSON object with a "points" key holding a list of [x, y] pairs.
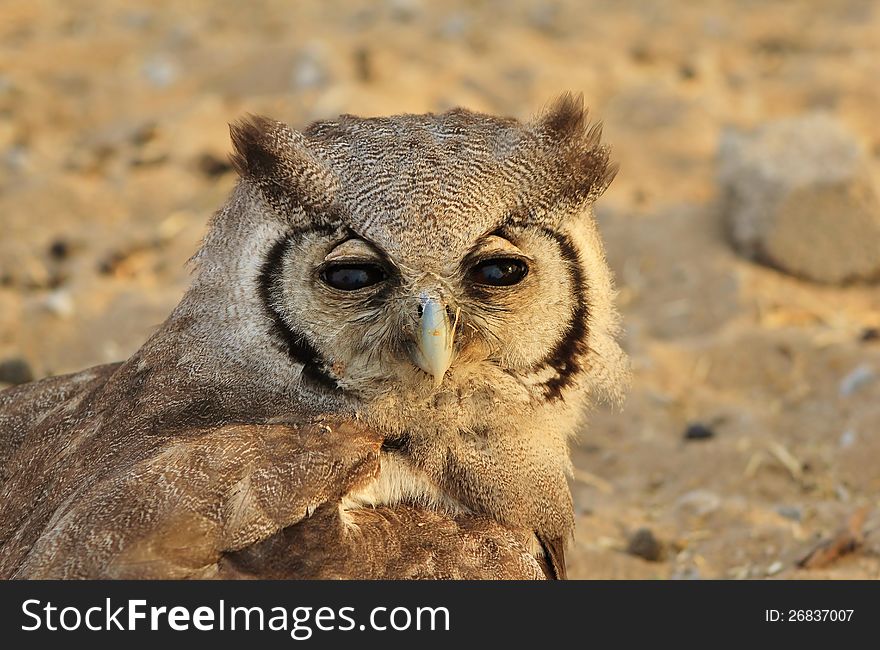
{"points": [[351, 277]]}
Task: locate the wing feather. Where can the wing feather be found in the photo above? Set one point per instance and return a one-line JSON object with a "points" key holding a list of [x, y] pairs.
{"points": [[92, 489], [174, 512]]}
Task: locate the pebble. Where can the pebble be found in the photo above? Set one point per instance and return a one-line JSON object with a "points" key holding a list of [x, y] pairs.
{"points": [[685, 573], [311, 70], [699, 502], [60, 303], [870, 334], [847, 439], [698, 431], [790, 512], [212, 165], [15, 371], [798, 196], [856, 379], [59, 249], [645, 545], [16, 157], [159, 71]]}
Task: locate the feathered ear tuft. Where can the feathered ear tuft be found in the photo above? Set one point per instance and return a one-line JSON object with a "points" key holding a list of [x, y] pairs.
{"points": [[278, 161], [565, 118], [582, 167], [255, 139]]}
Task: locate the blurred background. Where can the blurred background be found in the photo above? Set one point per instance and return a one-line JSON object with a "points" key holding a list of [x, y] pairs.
{"points": [[749, 446]]}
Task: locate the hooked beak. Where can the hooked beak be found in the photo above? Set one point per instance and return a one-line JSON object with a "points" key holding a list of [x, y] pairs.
{"points": [[433, 352]]}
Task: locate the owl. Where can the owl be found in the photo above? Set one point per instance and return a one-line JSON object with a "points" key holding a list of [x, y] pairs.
{"points": [[394, 328]]}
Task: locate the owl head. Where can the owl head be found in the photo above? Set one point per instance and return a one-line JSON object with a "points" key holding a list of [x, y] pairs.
{"points": [[421, 262]]}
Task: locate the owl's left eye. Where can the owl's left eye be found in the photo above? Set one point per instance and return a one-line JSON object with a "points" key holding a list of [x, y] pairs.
{"points": [[499, 272], [351, 277]]}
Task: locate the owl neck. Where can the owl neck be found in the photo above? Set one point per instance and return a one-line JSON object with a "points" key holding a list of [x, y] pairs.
{"points": [[511, 467]]}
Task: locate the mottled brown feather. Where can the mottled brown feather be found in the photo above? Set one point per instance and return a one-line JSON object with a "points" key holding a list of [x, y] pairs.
{"points": [[229, 501]]}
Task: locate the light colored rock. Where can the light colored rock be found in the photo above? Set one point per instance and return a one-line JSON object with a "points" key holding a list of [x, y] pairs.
{"points": [[60, 303], [798, 197], [699, 502], [862, 375]]}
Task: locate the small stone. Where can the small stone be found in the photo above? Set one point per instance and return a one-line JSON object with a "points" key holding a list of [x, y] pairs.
{"points": [[790, 512], [870, 334], [847, 439], [685, 573], [311, 69], [15, 371], [774, 568], [699, 502], [59, 250], [643, 544], [144, 134], [687, 71], [160, 71], [60, 303], [856, 379], [698, 431], [212, 165], [798, 196], [641, 54], [16, 157]]}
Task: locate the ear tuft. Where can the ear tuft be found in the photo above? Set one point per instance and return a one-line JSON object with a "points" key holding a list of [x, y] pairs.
{"points": [[565, 118], [255, 139], [581, 167], [278, 161]]}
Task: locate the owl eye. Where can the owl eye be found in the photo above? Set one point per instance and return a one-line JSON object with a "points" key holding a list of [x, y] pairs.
{"points": [[499, 272], [351, 277]]}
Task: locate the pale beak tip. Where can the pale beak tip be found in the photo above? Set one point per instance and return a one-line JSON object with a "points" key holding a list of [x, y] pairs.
{"points": [[434, 352]]}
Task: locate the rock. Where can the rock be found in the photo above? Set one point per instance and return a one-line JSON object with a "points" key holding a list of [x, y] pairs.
{"points": [[59, 249], [698, 431], [856, 379], [60, 303], [311, 69], [685, 573], [870, 334], [643, 544], [160, 71], [790, 512], [775, 568], [700, 503], [15, 371], [212, 165], [687, 71], [798, 196], [847, 439]]}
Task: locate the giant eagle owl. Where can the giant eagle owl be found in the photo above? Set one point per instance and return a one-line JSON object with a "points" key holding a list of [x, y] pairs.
{"points": [[393, 330]]}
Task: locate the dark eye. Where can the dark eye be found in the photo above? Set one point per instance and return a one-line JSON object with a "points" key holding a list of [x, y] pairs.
{"points": [[351, 277], [499, 272]]}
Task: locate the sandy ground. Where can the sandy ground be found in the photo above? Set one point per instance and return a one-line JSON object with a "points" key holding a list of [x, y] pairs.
{"points": [[113, 144]]}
